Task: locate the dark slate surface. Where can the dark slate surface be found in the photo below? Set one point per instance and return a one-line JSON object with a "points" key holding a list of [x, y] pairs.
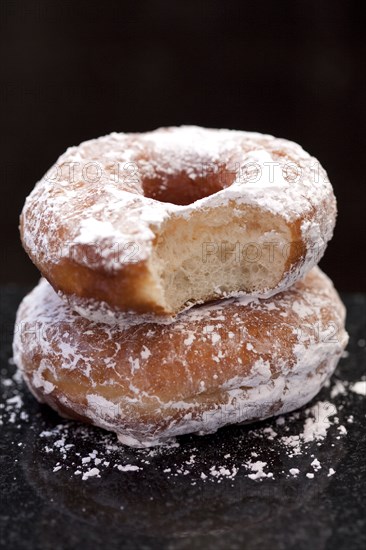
{"points": [[152, 509]]}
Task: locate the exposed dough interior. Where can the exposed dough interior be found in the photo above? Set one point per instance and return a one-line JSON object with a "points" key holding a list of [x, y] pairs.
{"points": [[217, 251]]}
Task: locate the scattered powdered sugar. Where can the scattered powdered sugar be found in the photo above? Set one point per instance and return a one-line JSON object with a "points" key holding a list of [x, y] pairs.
{"points": [[221, 472], [257, 452], [258, 469], [128, 468], [93, 472], [359, 387], [338, 389], [11, 410], [316, 464], [318, 423]]}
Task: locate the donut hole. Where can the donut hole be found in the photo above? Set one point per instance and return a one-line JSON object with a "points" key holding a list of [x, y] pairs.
{"points": [[225, 250], [182, 165], [183, 189]]}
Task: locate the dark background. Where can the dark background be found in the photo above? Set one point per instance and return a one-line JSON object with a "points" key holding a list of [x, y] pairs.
{"points": [[73, 70]]}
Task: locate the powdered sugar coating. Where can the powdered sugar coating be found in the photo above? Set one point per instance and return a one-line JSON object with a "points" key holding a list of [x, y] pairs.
{"points": [[185, 149], [91, 206], [152, 382]]}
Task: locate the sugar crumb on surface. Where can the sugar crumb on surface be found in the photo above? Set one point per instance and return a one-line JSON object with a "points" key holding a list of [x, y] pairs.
{"points": [[294, 436]]}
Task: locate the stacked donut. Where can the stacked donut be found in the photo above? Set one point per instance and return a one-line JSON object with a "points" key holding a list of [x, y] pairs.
{"points": [[180, 290]]}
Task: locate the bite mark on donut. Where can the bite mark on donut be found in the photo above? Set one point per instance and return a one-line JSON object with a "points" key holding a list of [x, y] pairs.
{"points": [[219, 252]]}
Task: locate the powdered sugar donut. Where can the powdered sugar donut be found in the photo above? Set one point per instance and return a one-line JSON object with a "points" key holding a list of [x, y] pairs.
{"points": [[230, 361], [154, 223]]}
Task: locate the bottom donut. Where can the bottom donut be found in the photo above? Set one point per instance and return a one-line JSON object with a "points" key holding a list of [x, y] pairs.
{"points": [[225, 362]]}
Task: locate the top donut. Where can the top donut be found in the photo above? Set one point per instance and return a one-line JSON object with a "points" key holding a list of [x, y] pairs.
{"points": [[156, 222]]}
